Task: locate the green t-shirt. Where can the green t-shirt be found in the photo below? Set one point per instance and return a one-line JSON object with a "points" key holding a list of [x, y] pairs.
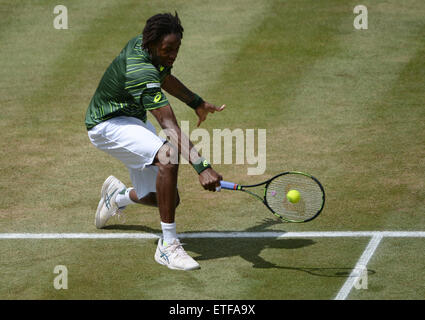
{"points": [[130, 86]]}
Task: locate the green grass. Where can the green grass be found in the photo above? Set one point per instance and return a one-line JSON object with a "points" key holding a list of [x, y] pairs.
{"points": [[117, 269], [342, 104], [400, 272]]}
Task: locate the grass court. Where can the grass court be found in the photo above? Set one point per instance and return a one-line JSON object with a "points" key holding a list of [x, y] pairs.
{"points": [[345, 105]]}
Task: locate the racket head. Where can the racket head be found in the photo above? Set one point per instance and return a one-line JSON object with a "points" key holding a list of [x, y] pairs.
{"points": [[310, 204]]}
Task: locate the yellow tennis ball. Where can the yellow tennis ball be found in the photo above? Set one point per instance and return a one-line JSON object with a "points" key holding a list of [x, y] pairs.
{"points": [[293, 196]]}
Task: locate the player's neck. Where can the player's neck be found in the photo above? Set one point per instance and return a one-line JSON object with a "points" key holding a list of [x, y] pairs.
{"points": [[154, 60]]}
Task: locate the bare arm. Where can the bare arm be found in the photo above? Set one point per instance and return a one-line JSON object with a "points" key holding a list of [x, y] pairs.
{"points": [[177, 89], [208, 178]]}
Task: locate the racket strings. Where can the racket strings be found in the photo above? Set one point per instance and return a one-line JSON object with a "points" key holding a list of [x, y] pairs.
{"points": [[309, 204]]}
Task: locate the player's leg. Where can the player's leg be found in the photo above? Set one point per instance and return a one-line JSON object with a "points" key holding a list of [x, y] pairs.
{"points": [[149, 200], [169, 251], [134, 143], [166, 182], [145, 186]]}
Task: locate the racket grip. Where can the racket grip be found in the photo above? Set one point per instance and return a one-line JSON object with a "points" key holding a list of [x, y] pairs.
{"points": [[228, 185]]}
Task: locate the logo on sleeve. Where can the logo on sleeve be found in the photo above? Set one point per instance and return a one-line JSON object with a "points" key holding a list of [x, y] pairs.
{"points": [[153, 85], [158, 97]]}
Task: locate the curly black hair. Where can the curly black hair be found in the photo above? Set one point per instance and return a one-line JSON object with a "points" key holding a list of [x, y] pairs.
{"points": [[159, 26]]}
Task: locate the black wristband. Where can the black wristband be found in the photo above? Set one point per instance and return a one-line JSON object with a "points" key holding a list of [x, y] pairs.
{"points": [[196, 102], [201, 165]]}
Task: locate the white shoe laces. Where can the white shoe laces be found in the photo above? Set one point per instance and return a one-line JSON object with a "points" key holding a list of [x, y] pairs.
{"points": [[120, 214], [177, 247]]}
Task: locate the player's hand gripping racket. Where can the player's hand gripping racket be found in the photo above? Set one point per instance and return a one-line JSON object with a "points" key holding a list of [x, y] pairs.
{"points": [[290, 196]]}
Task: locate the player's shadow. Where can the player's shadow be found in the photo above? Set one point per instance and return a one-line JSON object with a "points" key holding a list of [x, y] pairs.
{"points": [[248, 249]]}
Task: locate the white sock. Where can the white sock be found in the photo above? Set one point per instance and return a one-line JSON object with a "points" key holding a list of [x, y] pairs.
{"points": [[123, 198], [169, 232]]}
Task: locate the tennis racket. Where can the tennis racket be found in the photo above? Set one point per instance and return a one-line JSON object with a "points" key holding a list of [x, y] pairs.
{"points": [[302, 205]]}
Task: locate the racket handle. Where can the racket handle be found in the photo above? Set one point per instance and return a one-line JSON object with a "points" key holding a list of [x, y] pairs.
{"points": [[229, 185]]}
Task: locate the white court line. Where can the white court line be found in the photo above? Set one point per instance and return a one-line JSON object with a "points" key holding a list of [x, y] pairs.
{"points": [[361, 264], [200, 235], [78, 236]]}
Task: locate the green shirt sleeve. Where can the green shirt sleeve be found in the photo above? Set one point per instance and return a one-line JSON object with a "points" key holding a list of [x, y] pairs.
{"points": [[143, 82], [154, 99]]}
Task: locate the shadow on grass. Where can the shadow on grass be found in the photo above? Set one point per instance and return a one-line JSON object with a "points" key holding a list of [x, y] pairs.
{"points": [[248, 249], [132, 227]]}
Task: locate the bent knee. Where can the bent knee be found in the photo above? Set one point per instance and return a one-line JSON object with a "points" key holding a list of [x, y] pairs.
{"points": [[151, 200], [167, 157]]}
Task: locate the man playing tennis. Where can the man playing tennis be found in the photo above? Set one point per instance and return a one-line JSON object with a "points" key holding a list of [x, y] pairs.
{"points": [[117, 124]]}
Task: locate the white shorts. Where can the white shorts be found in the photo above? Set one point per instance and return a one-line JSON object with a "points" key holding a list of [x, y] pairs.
{"points": [[133, 142]]}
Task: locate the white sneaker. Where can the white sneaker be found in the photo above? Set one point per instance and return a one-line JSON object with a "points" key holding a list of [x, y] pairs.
{"points": [[107, 206], [174, 257]]}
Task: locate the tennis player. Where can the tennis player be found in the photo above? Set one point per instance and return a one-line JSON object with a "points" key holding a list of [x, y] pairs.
{"points": [[117, 124]]}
